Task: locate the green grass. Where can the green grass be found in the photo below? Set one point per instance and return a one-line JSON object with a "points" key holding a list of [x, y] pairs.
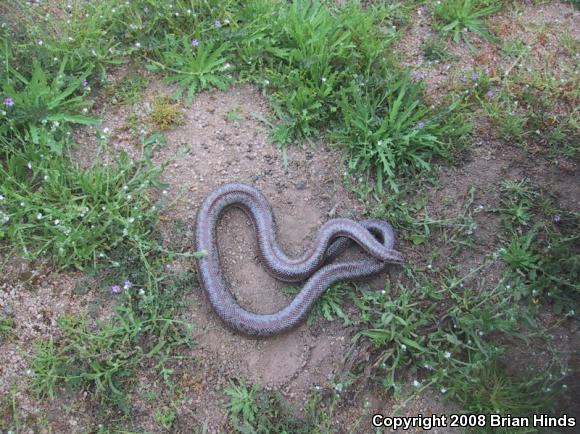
{"points": [[75, 215], [456, 18], [165, 114], [543, 259], [387, 130], [254, 410], [102, 357]]}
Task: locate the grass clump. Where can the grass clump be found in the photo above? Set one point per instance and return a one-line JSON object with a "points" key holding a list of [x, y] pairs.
{"points": [[51, 206], [254, 410], [543, 261], [454, 18], [388, 132], [102, 357], [166, 114], [39, 108]]}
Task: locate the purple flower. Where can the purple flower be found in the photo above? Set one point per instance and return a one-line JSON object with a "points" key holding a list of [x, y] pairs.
{"points": [[8, 102], [490, 94], [475, 76], [217, 23], [556, 218], [420, 125], [85, 83], [194, 43], [115, 289], [127, 284]]}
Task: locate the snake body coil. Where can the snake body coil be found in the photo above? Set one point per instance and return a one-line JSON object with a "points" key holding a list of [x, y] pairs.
{"points": [[374, 236]]}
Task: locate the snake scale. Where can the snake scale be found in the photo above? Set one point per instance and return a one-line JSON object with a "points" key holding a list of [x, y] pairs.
{"points": [[376, 237]]}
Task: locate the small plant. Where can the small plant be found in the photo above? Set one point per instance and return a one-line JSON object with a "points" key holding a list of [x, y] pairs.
{"points": [[39, 110], [166, 417], [6, 325], [166, 114], [329, 305], [234, 115], [389, 133], [45, 367], [127, 90], [242, 400], [518, 200], [498, 391], [514, 48], [435, 50], [456, 17], [194, 65], [253, 410], [76, 215]]}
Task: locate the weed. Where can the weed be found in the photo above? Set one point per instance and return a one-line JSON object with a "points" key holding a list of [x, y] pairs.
{"points": [[194, 65], [542, 261], [435, 50], [329, 305], [128, 90], [166, 417], [38, 110], [10, 411], [6, 325], [492, 389], [234, 115], [242, 400], [165, 113], [518, 199], [102, 357], [387, 131], [253, 410], [76, 215], [457, 17], [515, 48]]}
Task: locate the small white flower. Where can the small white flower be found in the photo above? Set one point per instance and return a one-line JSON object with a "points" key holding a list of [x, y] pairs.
{"points": [[164, 192], [404, 347], [29, 165], [480, 333], [416, 383], [447, 354], [324, 79], [1, 197], [40, 42], [56, 222], [22, 204], [46, 177], [39, 216], [131, 219], [141, 291], [106, 130], [125, 232], [443, 390], [383, 291], [85, 110], [137, 44], [125, 187]]}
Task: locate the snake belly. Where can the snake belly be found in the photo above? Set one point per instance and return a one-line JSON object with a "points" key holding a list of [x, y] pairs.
{"points": [[376, 237]]}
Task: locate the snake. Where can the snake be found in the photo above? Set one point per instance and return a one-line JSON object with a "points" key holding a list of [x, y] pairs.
{"points": [[316, 266]]}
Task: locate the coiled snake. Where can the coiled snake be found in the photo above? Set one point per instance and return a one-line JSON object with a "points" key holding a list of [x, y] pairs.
{"points": [[376, 237]]}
